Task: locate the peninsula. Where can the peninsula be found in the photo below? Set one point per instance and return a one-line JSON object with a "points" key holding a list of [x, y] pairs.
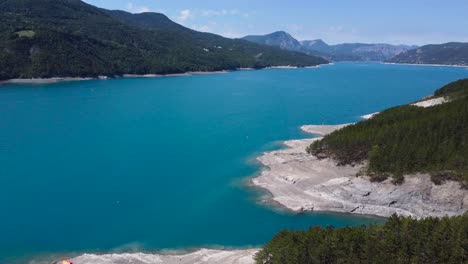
{"points": [[362, 169]]}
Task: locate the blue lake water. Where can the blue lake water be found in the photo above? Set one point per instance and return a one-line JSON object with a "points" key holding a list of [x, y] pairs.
{"points": [[148, 164]]}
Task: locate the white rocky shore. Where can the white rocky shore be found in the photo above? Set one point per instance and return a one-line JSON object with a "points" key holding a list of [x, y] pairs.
{"points": [[202, 256], [301, 182], [431, 102]]}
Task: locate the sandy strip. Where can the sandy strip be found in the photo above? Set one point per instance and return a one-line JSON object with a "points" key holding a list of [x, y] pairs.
{"points": [[301, 182], [369, 116], [322, 130], [172, 74], [425, 103], [282, 67], [431, 102], [207, 73], [154, 75], [203, 256]]}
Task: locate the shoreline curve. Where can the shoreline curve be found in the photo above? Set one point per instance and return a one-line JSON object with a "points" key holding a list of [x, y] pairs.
{"points": [[301, 182]]}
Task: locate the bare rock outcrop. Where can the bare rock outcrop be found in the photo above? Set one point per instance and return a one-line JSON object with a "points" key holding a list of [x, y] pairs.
{"points": [[301, 182]]}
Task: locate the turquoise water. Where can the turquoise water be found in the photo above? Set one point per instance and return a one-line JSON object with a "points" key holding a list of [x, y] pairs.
{"points": [[148, 164]]}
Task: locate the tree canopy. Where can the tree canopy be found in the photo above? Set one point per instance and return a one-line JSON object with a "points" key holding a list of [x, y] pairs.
{"points": [[399, 240], [408, 139]]}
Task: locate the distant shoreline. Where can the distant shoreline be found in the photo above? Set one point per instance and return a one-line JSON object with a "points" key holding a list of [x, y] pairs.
{"points": [[191, 73], [427, 65], [74, 79]]}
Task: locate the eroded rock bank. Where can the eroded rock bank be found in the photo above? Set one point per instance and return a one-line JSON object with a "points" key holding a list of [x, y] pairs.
{"points": [[202, 256], [301, 182]]}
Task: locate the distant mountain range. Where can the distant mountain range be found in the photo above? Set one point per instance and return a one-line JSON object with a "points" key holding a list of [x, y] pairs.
{"points": [[280, 39], [61, 38], [340, 52], [453, 53]]}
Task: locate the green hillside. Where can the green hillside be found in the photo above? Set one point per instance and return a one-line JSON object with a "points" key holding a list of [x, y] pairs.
{"points": [[54, 38], [408, 139], [399, 240], [453, 53]]}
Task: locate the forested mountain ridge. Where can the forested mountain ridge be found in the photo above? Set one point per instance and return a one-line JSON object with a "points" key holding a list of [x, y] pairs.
{"points": [[280, 38], [69, 38], [453, 53], [408, 139]]}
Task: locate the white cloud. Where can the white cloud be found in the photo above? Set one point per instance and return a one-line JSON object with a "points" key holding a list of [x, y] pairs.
{"points": [[190, 14], [203, 28], [185, 15], [294, 28], [222, 12], [144, 9], [217, 28], [232, 34], [137, 9], [205, 20]]}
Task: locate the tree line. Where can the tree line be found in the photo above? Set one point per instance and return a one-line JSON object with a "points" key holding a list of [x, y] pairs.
{"points": [[399, 240]]}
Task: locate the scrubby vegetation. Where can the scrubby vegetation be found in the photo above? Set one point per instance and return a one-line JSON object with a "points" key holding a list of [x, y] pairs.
{"points": [[49, 38], [399, 240], [453, 53], [454, 90], [408, 139]]}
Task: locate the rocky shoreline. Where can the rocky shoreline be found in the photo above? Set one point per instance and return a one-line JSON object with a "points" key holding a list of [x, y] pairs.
{"points": [[301, 182], [202, 256], [71, 79]]}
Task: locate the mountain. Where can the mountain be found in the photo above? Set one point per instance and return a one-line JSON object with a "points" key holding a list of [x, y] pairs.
{"points": [[453, 53], [58, 38], [280, 39], [370, 52], [318, 45], [340, 52]]}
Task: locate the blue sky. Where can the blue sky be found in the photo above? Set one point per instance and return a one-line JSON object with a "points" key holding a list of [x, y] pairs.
{"points": [[335, 21]]}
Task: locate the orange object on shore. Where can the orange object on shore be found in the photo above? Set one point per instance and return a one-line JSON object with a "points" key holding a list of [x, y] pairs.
{"points": [[66, 262]]}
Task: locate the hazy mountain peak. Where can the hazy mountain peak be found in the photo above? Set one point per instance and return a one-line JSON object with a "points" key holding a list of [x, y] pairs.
{"points": [[452, 53], [280, 39], [313, 42], [316, 44], [339, 52]]}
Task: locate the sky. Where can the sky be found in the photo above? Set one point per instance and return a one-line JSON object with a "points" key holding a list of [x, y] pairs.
{"points": [[414, 22]]}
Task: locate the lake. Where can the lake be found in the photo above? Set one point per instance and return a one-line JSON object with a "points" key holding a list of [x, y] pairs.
{"points": [[144, 164]]}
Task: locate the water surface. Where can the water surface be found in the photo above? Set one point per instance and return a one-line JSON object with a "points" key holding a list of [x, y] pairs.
{"points": [[148, 164]]}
